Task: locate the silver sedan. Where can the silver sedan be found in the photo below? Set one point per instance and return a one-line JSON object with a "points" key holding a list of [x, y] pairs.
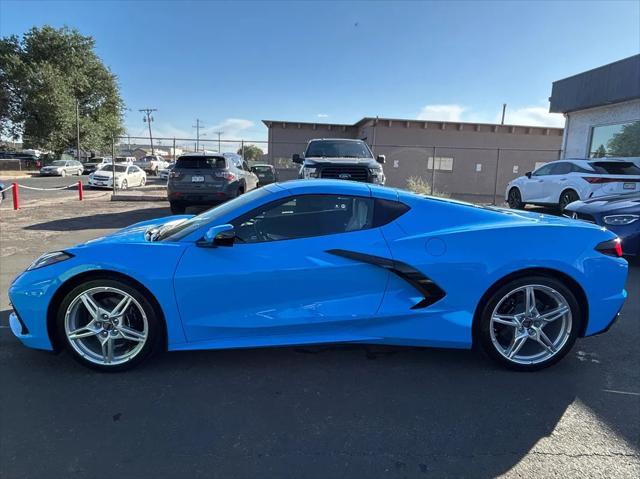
{"points": [[62, 168]]}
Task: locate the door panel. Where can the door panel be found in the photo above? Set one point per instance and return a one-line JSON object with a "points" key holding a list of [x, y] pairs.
{"points": [[280, 287]]}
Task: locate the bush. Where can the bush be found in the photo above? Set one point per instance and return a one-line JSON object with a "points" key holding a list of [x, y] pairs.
{"points": [[418, 185]]}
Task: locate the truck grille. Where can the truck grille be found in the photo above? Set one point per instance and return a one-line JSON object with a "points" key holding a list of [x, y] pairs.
{"points": [[339, 172]]}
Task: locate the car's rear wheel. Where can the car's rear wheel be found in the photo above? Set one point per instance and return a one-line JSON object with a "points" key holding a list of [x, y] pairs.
{"points": [[108, 325], [514, 199], [566, 198], [177, 208], [530, 323]]}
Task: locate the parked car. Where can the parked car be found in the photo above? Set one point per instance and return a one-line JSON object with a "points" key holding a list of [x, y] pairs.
{"points": [[62, 168], [326, 262], [266, 174], [2, 187], [165, 172], [126, 176], [620, 214], [208, 179], [340, 159], [562, 182], [95, 163], [152, 164]]}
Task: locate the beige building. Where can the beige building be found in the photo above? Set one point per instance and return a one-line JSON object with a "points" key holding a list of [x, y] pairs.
{"points": [[472, 160]]}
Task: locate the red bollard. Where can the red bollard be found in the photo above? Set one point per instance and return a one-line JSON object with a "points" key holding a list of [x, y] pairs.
{"points": [[80, 191], [16, 196]]}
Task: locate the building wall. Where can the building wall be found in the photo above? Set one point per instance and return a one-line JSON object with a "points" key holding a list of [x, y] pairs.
{"points": [[408, 144], [579, 123]]}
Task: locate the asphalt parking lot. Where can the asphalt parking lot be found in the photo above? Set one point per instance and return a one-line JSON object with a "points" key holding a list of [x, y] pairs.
{"points": [[340, 411], [50, 183]]}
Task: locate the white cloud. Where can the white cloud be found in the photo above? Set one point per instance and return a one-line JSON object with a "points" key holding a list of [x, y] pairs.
{"points": [[528, 116], [442, 112], [322, 115], [533, 116]]}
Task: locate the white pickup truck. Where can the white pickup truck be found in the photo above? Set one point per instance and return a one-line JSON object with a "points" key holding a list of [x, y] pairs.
{"points": [[152, 164]]}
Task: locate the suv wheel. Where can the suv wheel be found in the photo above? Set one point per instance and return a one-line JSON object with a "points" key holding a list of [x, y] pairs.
{"points": [[515, 199], [566, 198]]}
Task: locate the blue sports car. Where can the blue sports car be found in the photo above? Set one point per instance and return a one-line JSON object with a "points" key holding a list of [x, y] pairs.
{"points": [[324, 261], [620, 214]]}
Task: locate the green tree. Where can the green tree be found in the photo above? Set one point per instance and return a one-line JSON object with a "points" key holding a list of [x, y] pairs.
{"points": [[626, 142], [251, 153], [42, 76]]}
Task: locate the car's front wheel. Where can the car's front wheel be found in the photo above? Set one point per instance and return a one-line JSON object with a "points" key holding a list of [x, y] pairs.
{"points": [[124, 185], [108, 325], [514, 199], [530, 323]]}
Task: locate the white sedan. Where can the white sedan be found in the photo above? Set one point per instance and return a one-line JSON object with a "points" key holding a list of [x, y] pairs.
{"points": [[562, 182], [126, 177]]}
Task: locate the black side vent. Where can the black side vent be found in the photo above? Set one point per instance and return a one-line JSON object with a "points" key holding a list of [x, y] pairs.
{"points": [[430, 290]]}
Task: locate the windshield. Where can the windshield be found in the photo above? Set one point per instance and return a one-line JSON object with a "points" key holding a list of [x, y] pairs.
{"points": [[59, 163], [337, 149], [109, 167], [201, 162], [615, 168], [184, 228]]}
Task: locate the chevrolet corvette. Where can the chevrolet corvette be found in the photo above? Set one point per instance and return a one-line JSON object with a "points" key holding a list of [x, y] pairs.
{"points": [[326, 261]]}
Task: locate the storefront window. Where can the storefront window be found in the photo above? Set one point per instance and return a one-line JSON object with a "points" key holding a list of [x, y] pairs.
{"points": [[622, 139]]}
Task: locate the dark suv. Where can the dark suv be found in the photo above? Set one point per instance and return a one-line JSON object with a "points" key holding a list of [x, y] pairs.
{"points": [[341, 159], [208, 179]]}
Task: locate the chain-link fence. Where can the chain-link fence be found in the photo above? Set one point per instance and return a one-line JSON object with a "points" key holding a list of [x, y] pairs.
{"points": [[467, 173]]}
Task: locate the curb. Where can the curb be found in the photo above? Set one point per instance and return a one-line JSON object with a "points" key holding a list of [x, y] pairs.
{"points": [[120, 197]]}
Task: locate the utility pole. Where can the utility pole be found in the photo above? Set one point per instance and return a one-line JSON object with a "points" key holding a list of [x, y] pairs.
{"points": [[78, 130], [148, 119], [504, 109], [197, 126], [219, 133]]}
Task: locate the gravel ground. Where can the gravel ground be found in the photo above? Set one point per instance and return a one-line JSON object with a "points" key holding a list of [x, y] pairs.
{"points": [[343, 411]]}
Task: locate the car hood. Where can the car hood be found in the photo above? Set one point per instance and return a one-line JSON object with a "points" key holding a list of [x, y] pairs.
{"points": [[136, 233], [630, 202], [350, 161]]}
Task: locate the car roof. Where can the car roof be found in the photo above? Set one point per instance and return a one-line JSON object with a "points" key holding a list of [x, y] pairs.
{"points": [[326, 186], [202, 154], [337, 139]]}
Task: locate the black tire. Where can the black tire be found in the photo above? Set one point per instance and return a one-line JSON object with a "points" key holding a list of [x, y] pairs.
{"points": [[155, 336], [482, 331], [566, 198], [514, 199], [177, 208]]}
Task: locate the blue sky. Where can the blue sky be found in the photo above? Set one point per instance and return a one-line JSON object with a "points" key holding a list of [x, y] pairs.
{"points": [[234, 64]]}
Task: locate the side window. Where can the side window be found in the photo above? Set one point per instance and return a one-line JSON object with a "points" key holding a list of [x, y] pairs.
{"points": [[544, 170], [245, 166], [305, 216], [386, 211], [562, 168]]}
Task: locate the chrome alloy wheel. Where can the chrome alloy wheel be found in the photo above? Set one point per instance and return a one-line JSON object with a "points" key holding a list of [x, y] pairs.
{"points": [[531, 324], [106, 326]]}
